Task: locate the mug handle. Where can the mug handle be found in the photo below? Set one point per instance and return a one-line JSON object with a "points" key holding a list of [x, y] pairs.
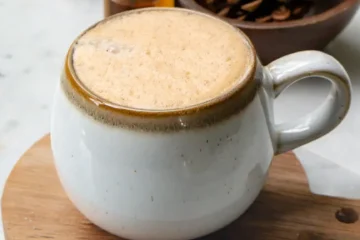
{"points": [[289, 69]]}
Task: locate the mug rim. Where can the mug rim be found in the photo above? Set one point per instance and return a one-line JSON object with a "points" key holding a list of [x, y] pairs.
{"points": [[245, 81]]}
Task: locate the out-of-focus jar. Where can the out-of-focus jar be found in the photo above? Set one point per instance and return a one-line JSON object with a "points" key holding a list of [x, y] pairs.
{"points": [[112, 7]]}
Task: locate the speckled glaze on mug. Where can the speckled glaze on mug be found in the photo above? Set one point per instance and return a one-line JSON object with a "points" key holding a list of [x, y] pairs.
{"points": [[183, 173]]}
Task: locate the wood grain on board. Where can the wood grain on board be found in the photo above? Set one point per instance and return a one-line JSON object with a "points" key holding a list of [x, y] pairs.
{"points": [[35, 207]]}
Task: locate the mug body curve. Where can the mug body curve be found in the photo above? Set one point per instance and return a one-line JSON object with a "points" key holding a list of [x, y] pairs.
{"points": [[182, 173], [178, 184]]}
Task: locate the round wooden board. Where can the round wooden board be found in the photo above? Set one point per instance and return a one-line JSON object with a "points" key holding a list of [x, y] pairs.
{"points": [[35, 207]]}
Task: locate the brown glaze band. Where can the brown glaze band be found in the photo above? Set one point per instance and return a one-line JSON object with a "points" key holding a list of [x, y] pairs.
{"points": [[196, 116]]}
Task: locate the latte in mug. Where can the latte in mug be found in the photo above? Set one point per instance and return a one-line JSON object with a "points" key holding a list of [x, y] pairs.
{"points": [[162, 126]]}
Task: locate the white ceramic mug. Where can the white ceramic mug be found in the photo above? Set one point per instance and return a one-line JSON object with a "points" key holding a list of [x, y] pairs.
{"points": [[184, 173]]}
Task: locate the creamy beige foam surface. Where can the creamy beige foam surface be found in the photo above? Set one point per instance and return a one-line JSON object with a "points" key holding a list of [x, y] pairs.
{"points": [[161, 59]]}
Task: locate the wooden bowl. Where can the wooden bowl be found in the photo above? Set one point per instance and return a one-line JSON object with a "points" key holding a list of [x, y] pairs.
{"points": [[276, 39]]}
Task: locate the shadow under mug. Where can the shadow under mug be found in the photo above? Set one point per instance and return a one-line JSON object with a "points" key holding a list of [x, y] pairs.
{"points": [[183, 173]]}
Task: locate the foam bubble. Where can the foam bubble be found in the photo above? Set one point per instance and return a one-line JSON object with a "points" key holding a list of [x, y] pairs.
{"points": [[161, 59]]}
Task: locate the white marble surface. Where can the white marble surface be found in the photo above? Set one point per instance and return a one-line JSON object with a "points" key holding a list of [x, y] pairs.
{"points": [[36, 34]]}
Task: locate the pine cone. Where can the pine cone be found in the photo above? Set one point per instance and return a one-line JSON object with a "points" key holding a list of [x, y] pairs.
{"points": [[259, 10]]}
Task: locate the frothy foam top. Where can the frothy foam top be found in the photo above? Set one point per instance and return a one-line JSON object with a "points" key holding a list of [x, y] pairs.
{"points": [[161, 59]]}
